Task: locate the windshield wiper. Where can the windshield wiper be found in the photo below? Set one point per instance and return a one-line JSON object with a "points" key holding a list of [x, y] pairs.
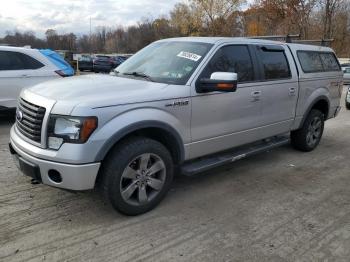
{"points": [[139, 74]]}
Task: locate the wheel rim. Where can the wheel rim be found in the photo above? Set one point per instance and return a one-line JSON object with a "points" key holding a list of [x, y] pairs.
{"points": [[314, 132], [142, 179]]}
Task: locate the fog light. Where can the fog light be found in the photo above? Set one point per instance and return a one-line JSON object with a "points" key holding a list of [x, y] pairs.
{"points": [[55, 176], [55, 142]]}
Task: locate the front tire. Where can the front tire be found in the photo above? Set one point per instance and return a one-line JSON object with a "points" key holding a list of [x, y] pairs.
{"points": [[309, 135], [136, 175]]}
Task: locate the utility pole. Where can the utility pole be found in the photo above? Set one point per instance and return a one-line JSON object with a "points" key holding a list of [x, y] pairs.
{"points": [[90, 38]]}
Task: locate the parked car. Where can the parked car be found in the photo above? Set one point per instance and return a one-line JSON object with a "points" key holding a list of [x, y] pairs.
{"points": [[86, 63], [347, 82], [103, 63], [190, 103], [347, 98], [344, 66], [346, 76], [24, 67], [118, 60]]}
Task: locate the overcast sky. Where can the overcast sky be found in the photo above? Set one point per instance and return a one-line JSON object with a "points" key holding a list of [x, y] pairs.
{"points": [[73, 15]]}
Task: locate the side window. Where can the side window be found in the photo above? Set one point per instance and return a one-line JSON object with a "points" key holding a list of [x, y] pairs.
{"points": [[275, 64], [310, 61], [235, 59], [8, 61], [330, 62], [17, 61], [29, 62]]}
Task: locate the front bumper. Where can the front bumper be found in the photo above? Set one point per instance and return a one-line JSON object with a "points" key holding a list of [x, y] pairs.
{"points": [[72, 177]]}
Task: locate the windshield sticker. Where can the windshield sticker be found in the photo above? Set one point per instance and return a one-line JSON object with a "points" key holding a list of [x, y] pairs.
{"points": [[189, 56]]}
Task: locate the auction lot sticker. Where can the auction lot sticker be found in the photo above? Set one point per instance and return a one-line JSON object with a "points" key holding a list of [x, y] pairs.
{"points": [[190, 56]]}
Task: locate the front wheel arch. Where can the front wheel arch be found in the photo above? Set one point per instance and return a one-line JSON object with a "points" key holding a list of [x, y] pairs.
{"points": [[156, 130]]}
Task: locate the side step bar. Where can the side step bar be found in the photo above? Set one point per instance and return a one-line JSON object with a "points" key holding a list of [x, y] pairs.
{"points": [[216, 160]]}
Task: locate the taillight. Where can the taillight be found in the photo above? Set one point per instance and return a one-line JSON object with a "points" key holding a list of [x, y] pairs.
{"points": [[60, 73]]}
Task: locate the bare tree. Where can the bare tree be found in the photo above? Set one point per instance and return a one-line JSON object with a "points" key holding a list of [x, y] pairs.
{"points": [[186, 19], [299, 12], [329, 9], [218, 15]]}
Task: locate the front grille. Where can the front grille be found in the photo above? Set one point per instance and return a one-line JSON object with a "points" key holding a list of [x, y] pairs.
{"points": [[29, 119]]}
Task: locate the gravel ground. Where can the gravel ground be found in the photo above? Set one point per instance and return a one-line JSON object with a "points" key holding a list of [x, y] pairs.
{"points": [[280, 206]]}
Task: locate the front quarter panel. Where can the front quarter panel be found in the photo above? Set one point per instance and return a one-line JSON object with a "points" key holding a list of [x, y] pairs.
{"points": [[172, 112], [175, 119]]}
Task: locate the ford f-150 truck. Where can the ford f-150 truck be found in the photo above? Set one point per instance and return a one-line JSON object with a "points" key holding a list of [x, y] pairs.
{"points": [[181, 105]]}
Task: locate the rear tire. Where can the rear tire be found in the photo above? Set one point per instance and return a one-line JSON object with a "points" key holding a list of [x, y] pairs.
{"points": [[309, 135], [136, 175]]}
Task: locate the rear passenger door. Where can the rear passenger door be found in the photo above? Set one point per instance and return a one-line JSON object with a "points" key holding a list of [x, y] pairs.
{"points": [[17, 71], [279, 88]]}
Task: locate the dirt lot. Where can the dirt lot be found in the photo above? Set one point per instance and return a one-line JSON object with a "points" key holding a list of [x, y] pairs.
{"points": [[280, 206]]}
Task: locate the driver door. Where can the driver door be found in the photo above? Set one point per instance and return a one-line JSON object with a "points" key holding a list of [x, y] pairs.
{"points": [[222, 120]]}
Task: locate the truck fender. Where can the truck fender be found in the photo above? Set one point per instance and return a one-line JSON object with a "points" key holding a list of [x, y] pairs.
{"points": [[311, 105], [138, 124]]}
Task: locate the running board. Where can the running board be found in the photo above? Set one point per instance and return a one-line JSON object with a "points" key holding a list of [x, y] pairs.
{"points": [[219, 159]]}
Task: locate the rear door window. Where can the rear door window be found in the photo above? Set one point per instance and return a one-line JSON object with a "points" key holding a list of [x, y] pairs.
{"points": [[233, 58], [17, 61], [275, 64]]}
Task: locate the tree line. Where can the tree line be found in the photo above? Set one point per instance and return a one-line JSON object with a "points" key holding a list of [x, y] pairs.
{"points": [[312, 19]]}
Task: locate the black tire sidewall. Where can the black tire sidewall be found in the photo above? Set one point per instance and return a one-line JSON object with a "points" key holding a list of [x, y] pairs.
{"points": [[299, 136], [117, 161]]}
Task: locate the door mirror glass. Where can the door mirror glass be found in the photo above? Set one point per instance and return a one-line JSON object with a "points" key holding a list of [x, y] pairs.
{"points": [[218, 82]]}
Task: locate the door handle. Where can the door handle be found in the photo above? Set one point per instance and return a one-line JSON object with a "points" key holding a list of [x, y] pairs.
{"points": [[256, 96], [292, 91]]}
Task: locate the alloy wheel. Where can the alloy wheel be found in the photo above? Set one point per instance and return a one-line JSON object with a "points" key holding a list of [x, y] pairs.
{"points": [[143, 179], [314, 132]]}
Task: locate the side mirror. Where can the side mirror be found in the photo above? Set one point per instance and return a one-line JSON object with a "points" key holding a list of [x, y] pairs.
{"points": [[219, 82]]}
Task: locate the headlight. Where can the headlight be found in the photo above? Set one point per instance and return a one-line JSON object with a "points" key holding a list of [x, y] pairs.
{"points": [[67, 129]]}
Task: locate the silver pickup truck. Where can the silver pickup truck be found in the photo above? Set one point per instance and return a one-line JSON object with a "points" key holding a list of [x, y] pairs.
{"points": [[181, 105]]}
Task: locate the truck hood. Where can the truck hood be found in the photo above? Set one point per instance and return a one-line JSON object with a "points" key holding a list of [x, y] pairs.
{"points": [[99, 91]]}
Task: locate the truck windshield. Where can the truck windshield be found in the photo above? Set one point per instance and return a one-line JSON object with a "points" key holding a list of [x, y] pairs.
{"points": [[165, 62]]}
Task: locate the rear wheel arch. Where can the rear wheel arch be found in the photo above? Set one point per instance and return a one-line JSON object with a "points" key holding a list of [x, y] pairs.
{"points": [[322, 104]]}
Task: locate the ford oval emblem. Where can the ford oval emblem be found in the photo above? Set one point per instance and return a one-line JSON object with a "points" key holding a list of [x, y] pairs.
{"points": [[19, 115]]}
